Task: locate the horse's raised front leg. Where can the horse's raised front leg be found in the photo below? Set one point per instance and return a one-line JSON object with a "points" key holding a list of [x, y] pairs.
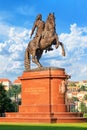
{"points": [[57, 41], [35, 60], [63, 50]]}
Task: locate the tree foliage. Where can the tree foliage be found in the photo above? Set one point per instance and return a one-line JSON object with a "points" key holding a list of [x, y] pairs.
{"points": [[85, 97], [6, 105], [75, 99], [13, 91], [83, 107], [3, 99], [83, 88]]}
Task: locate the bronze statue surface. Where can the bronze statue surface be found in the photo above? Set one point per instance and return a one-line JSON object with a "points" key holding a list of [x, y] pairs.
{"points": [[45, 37]]}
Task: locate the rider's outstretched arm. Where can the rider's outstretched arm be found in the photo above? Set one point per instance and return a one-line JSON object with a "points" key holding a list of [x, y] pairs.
{"points": [[33, 29]]}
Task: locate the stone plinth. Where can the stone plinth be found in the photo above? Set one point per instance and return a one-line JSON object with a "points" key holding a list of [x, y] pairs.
{"points": [[43, 98], [41, 90]]}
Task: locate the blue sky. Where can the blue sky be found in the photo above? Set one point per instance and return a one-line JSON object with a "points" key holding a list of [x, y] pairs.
{"points": [[16, 21]]}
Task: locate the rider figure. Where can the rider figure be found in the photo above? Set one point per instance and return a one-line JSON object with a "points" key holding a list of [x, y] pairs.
{"points": [[39, 25]]}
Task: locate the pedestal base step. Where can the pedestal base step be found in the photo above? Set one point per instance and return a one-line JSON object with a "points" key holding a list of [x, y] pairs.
{"points": [[44, 120], [24, 119], [45, 115], [71, 120]]}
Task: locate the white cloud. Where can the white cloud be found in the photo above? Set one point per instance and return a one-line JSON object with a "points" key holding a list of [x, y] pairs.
{"points": [[16, 39], [54, 53], [2, 46], [75, 38], [3, 66], [12, 49], [75, 44], [4, 30]]}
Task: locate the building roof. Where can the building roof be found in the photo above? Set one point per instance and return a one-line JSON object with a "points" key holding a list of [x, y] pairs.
{"points": [[85, 101], [17, 81], [84, 81], [4, 80]]}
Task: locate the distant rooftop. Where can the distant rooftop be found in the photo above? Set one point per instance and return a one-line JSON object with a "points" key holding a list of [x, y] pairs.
{"points": [[17, 81], [4, 80]]}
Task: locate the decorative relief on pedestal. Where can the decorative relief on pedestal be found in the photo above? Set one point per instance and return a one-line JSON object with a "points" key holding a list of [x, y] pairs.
{"points": [[63, 87]]}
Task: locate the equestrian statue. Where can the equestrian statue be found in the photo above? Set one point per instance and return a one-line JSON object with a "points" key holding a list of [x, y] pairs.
{"points": [[44, 38]]}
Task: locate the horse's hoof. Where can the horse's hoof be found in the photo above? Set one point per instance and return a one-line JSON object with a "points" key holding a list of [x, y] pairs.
{"points": [[63, 54], [40, 67], [56, 46]]}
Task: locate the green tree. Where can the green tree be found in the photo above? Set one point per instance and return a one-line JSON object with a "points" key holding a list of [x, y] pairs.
{"points": [[14, 91], [83, 107], [74, 99], [72, 84], [85, 97], [83, 88], [5, 102], [3, 98]]}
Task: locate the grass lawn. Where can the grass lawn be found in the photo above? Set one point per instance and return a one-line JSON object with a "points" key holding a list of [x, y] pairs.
{"points": [[26, 126]]}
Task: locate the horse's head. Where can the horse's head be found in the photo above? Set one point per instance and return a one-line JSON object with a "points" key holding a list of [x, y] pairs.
{"points": [[51, 17], [50, 22]]}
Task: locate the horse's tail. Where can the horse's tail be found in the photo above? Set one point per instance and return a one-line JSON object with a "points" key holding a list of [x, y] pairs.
{"points": [[27, 59]]}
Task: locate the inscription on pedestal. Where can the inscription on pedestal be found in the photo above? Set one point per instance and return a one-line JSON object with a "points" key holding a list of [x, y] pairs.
{"points": [[35, 90]]}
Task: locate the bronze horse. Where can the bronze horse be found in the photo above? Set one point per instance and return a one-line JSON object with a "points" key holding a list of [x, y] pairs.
{"points": [[49, 38]]}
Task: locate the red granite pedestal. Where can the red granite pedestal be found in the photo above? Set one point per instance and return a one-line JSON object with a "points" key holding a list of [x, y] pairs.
{"points": [[43, 98], [41, 91]]}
